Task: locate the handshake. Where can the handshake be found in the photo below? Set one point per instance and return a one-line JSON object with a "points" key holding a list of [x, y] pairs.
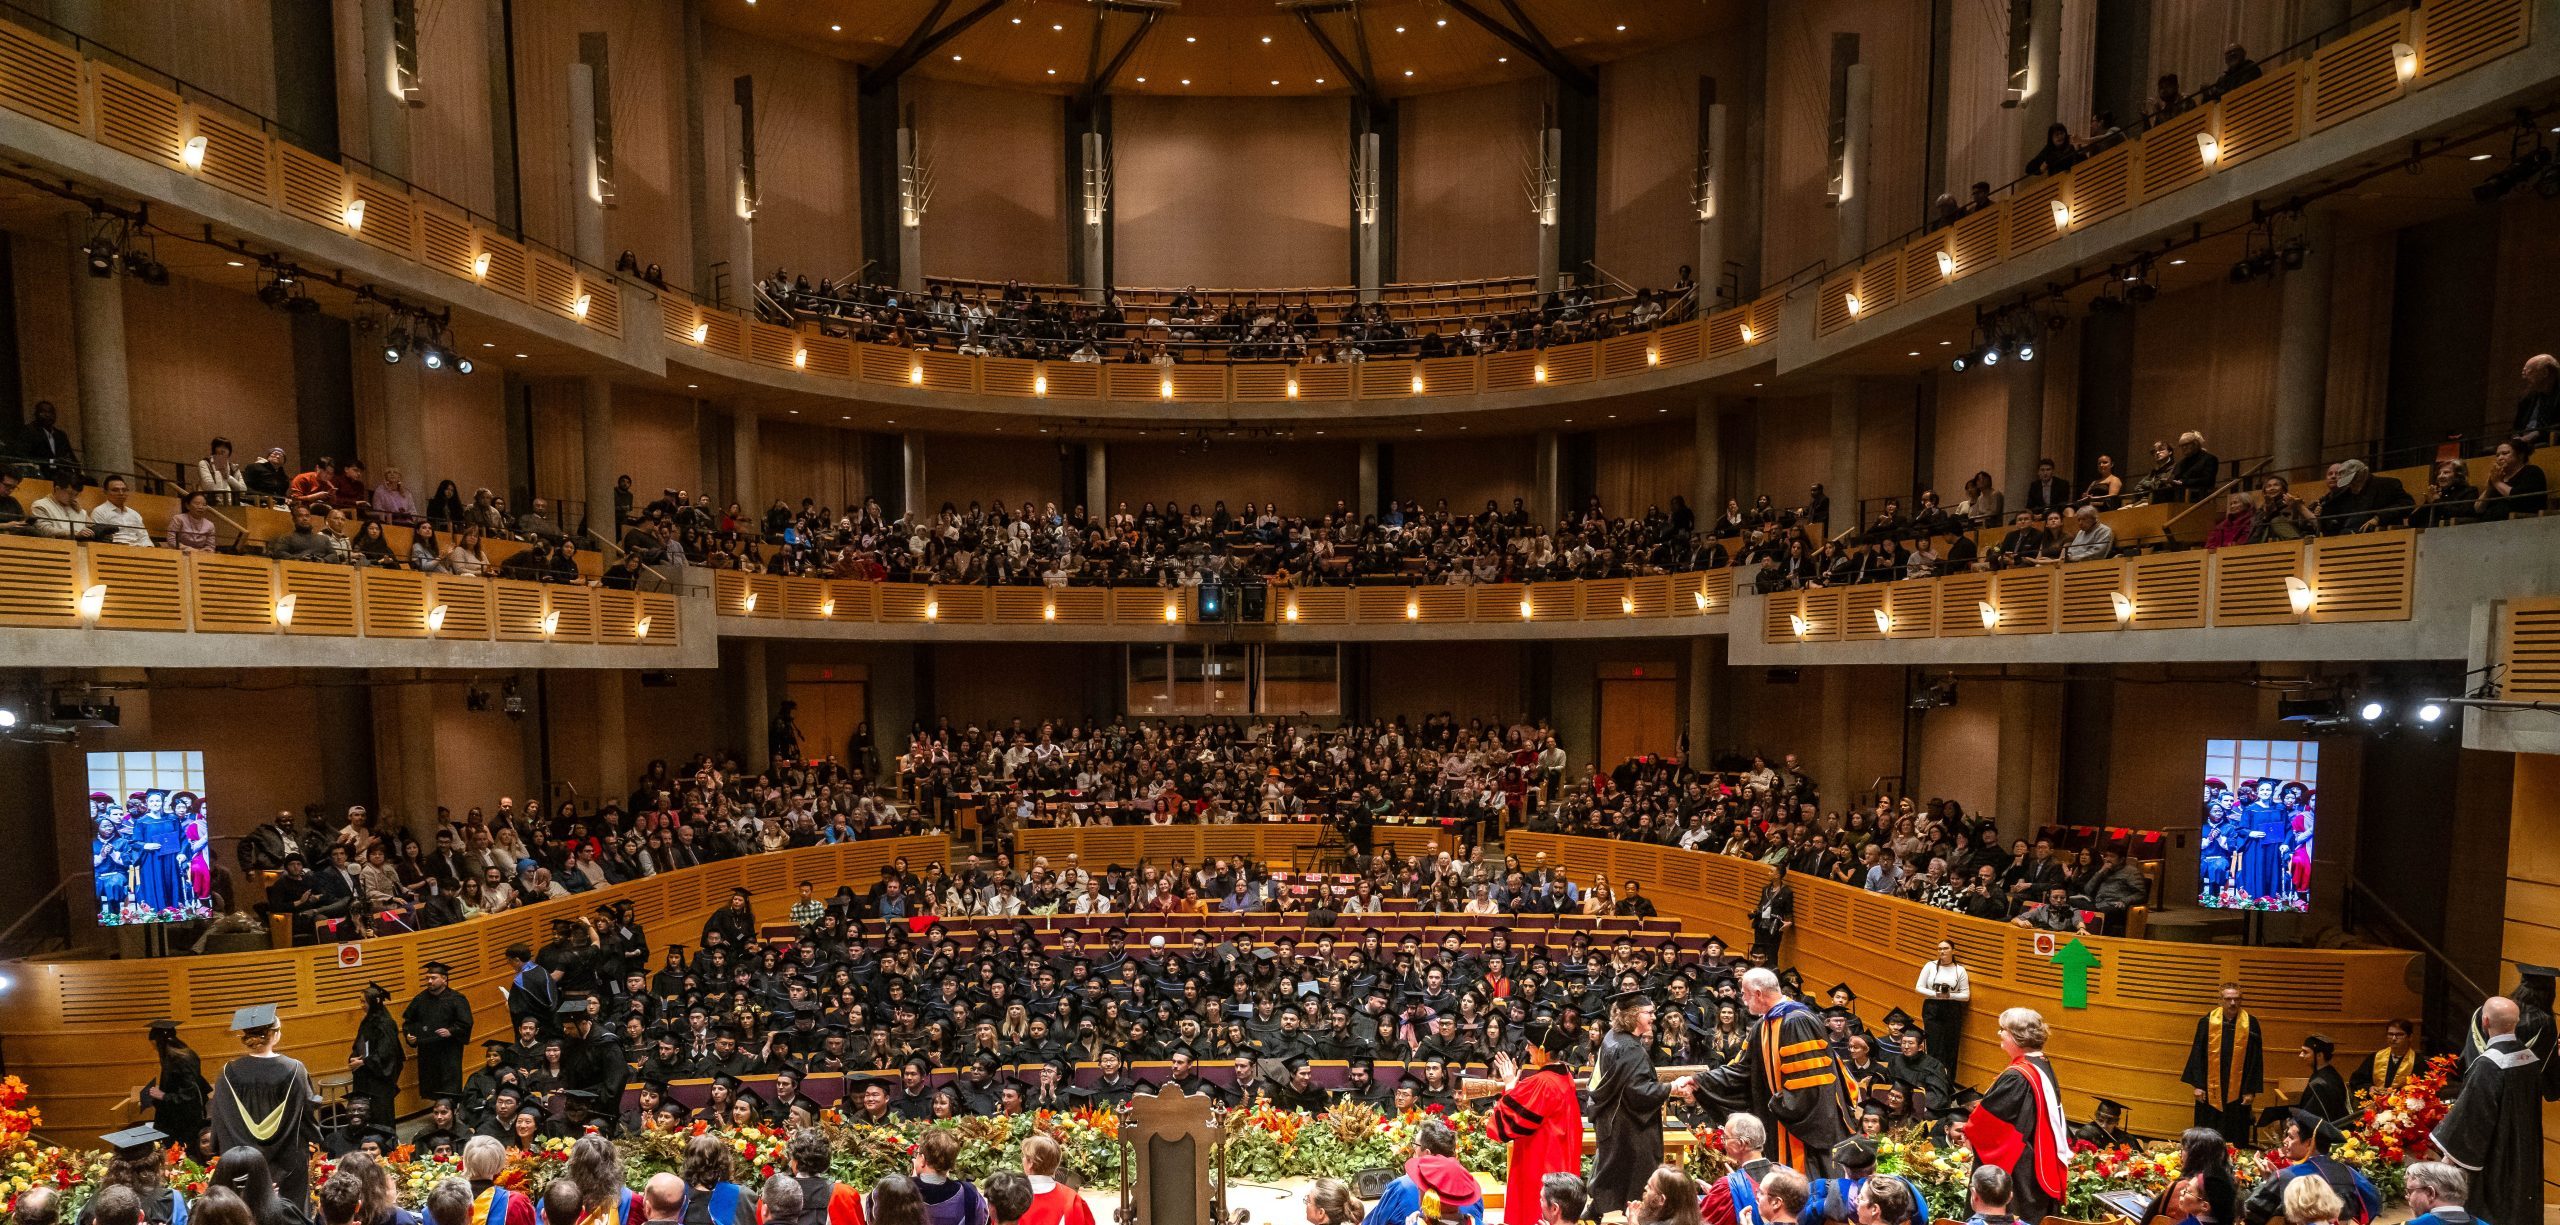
{"points": [[1685, 1088]]}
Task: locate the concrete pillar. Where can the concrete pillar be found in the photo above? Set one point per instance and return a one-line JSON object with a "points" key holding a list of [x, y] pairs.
{"points": [[1368, 487], [586, 182], [755, 702], [2302, 347], [744, 445], [1839, 787], [1365, 221], [1723, 163], [910, 218], [1706, 479], [97, 333], [738, 221], [596, 440], [1844, 456], [404, 428], [1549, 207], [613, 743], [1705, 695], [1546, 498], [1097, 479], [81, 17], [1093, 224], [912, 473], [2037, 106], [386, 97], [2025, 430], [2029, 772], [404, 729], [1851, 235]]}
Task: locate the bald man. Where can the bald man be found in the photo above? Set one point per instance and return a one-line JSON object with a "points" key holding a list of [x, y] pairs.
{"points": [[665, 1195], [2494, 1131]]}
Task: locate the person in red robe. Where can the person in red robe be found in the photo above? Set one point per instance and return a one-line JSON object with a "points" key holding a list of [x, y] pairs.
{"points": [[1539, 1116], [2019, 1125]]}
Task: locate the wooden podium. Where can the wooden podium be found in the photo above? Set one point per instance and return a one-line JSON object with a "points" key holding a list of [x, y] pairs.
{"points": [[1172, 1161]]}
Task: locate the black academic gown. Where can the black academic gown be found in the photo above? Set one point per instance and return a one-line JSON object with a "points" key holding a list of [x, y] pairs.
{"points": [[180, 1112], [378, 1059], [1626, 1116], [2230, 1071], [439, 1059], [2494, 1132], [265, 1102]]}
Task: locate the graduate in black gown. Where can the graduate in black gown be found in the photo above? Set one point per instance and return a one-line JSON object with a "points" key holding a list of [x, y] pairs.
{"points": [[376, 1057], [2494, 1131], [437, 1024], [176, 1096], [264, 1101], [1626, 1106], [2324, 1093]]}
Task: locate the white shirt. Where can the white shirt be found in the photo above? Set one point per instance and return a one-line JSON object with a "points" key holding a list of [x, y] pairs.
{"points": [[122, 526], [1953, 978]]}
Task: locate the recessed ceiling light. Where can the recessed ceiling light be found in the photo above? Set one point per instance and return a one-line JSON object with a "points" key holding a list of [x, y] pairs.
{"points": [[1442, 22], [1142, 80], [1017, 21], [1053, 72], [1568, 421], [892, 421], [1622, 29], [955, 59], [2480, 157], [1944, 343], [840, 29], [1319, 80], [488, 344], [1275, 80], [1056, 26], [528, 354], [2175, 262], [845, 418], [1408, 72], [1189, 38], [1186, 80], [1399, 29], [1759, 384], [795, 412], [692, 386], [1266, 40], [235, 263], [1502, 59]]}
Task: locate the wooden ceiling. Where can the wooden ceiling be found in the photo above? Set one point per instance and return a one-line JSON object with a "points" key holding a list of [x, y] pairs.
{"points": [[1232, 47]]}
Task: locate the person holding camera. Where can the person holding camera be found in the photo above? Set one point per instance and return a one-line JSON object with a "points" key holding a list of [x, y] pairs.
{"points": [[1945, 993]]}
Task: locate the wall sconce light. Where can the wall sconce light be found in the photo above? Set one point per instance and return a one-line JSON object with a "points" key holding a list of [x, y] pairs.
{"points": [[1049, 612], [1527, 612], [1172, 612], [1165, 388], [1292, 613], [827, 607], [1039, 384], [550, 622], [1540, 374], [1749, 336], [2208, 148], [1990, 614], [749, 603], [1653, 357], [2404, 61], [1412, 610], [2299, 594], [191, 154], [1855, 306], [1796, 622], [1701, 598], [640, 628], [435, 620], [284, 609], [1627, 605], [1417, 384], [1884, 622], [1293, 389], [701, 333], [93, 600], [799, 359], [353, 214], [932, 609], [480, 268], [2061, 214], [915, 376], [579, 308], [1946, 264], [2124, 606]]}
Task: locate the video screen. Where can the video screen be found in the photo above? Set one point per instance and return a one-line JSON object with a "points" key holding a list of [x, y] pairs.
{"points": [[2261, 800], [150, 838]]}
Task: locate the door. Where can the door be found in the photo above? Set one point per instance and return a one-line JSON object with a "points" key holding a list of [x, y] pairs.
{"points": [[833, 701], [1637, 717]]}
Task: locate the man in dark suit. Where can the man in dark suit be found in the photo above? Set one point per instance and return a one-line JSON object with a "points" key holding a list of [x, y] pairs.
{"points": [[2047, 491], [2360, 501], [2538, 411], [43, 444]]}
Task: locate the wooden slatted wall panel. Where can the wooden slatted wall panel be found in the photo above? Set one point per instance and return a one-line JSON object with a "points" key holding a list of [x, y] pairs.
{"points": [[2249, 583], [1960, 597], [310, 187], [2168, 590], [2262, 115], [2168, 158], [138, 117], [2025, 599], [1315, 605], [1913, 605], [1554, 601], [1822, 616], [41, 78], [1977, 240], [1859, 608], [573, 613], [39, 580], [2459, 35], [666, 629], [469, 607], [517, 610], [1831, 306], [2102, 186], [2357, 73], [146, 588], [234, 595], [324, 598], [2367, 577], [235, 155], [2030, 213], [2088, 595], [2531, 651]]}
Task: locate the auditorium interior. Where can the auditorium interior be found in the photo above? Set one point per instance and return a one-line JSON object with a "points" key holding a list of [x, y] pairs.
{"points": [[1544, 471]]}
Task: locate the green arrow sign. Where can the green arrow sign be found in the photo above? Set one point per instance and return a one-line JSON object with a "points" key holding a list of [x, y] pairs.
{"points": [[2076, 960]]}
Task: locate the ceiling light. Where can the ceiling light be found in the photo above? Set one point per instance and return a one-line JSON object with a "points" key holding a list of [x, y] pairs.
{"points": [[1408, 72], [1189, 38], [955, 59], [1056, 26], [2480, 157], [1142, 80], [1622, 29], [1399, 29], [2175, 263], [1053, 72], [1266, 40], [524, 355], [1017, 21], [235, 263], [1502, 59], [1186, 80], [840, 29], [1319, 80], [1275, 80]]}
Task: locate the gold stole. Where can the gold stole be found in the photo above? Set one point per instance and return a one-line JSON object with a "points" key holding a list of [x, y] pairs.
{"points": [[2218, 1059]]}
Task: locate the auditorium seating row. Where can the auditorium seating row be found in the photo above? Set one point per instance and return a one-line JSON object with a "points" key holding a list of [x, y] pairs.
{"points": [[826, 1089], [2329, 580], [1330, 301], [61, 584], [1264, 928]]}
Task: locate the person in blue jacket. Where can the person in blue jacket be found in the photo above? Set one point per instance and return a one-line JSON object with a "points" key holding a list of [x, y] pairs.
{"points": [[2305, 1146]]}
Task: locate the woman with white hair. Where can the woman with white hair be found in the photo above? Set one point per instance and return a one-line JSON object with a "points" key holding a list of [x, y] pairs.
{"points": [[2019, 1125]]}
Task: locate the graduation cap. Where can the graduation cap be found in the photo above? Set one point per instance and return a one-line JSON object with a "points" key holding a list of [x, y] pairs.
{"points": [[436, 967], [1898, 1017], [2322, 1133], [575, 1010], [136, 1141], [2110, 1111], [2528, 973], [2320, 1044], [1841, 989], [1551, 1037], [1630, 999], [163, 1026], [500, 1045], [254, 1019], [1855, 1153]]}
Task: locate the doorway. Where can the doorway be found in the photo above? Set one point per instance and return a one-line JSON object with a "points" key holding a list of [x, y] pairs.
{"points": [[834, 699], [1639, 716]]}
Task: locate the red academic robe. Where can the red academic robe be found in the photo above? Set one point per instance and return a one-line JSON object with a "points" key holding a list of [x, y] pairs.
{"points": [[2019, 1128], [1540, 1117]]}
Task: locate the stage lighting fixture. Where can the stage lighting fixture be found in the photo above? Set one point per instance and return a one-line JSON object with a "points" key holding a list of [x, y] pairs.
{"points": [[302, 304], [2309, 708], [395, 344], [2141, 292], [433, 358], [102, 256], [2372, 710], [2026, 349], [2292, 253], [1960, 362], [462, 365], [274, 293], [1991, 355], [2430, 713]]}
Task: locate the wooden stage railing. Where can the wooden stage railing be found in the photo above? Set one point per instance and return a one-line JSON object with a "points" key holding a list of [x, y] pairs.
{"points": [[2367, 577], [2144, 995], [48, 583], [74, 1029]]}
